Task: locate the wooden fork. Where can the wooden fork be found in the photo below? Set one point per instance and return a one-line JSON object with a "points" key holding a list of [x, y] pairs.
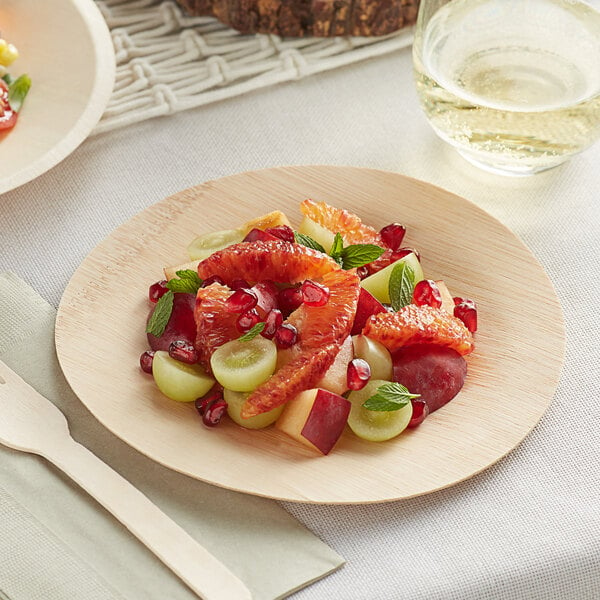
{"points": [[31, 423]]}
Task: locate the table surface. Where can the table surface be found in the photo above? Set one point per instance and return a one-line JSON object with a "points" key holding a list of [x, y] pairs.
{"points": [[529, 527]]}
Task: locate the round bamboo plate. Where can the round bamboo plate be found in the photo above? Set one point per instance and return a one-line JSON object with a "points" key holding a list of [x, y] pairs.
{"points": [[512, 377]]}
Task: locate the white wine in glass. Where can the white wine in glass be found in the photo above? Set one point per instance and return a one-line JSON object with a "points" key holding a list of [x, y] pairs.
{"points": [[513, 85]]}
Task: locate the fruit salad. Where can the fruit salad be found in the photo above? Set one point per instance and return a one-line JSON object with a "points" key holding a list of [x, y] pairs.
{"points": [[329, 328], [12, 91]]}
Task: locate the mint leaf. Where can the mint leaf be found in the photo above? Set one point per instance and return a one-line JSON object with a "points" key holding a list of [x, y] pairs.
{"points": [[17, 90], [188, 282], [401, 285], [8, 78], [161, 315], [307, 241], [358, 255], [390, 396], [337, 246], [252, 333]]}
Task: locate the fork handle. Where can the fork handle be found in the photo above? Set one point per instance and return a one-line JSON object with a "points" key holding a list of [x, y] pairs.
{"points": [[191, 562]]}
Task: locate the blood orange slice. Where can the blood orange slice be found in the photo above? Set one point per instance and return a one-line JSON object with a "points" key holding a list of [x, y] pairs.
{"points": [[214, 324], [419, 325], [322, 330], [276, 260], [338, 220]]}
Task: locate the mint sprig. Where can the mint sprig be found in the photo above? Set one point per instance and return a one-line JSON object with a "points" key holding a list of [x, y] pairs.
{"points": [[401, 285], [188, 282], [306, 240], [389, 396], [161, 314], [358, 255], [252, 333]]}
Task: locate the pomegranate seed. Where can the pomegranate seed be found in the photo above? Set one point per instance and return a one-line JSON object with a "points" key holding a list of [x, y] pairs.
{"points": [[286, 336], [420, 411], [363, 271], [146, 361], [203, 403], [427, 292], [466, 311], [273, 322], [392, 235], [289, 299], [214, 412], [468, 301], [183, 352], [212, 279], [314, 294], [246, 321], [402, 252], [258, 235], [236, 284], [266, 294], [157, 290], [358, 374], [283, 232], [241, 301]]}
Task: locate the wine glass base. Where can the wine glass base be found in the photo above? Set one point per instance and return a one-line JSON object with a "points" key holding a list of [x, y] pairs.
{"points": [[512, 170]]}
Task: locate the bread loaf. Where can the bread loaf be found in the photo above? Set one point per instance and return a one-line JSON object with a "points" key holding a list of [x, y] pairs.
{"points": [[301, 18]]}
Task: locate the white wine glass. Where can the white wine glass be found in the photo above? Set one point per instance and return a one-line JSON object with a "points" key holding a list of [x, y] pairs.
{"points": [[513, 85]]}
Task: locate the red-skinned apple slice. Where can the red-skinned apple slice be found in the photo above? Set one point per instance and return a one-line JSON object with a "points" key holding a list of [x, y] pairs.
{"points": [[367, 305], [315, 418], [181, 324]]}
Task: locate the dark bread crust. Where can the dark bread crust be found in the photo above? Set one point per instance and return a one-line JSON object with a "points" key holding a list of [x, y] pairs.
{"points": [[303, 18]]}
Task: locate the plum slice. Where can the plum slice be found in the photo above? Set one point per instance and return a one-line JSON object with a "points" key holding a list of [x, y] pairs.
{"points": [[436, 372]]}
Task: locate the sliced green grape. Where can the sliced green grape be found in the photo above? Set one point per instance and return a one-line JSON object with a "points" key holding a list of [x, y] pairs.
{"points": [[378, 283], [373, 425], [235, 400], [376, 354], [243, 366], [204, 245], [317, 232], [179, 381]]}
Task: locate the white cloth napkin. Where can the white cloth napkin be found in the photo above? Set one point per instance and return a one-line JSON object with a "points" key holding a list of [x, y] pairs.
{"points": [[52, 531]]}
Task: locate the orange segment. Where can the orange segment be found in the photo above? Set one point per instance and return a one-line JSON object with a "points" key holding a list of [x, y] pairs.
{"points": [[419, 325], [214, 325], [338, 220], [278, 261], [322, 331], [272, 219]]}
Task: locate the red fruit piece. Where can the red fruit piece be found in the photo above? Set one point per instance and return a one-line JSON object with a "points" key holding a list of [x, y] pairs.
{"points": [[146, 360], [273, 260], [157, 290], [266, 294], [427, 292], [183, 351], [289, 299], [181, 324], [212, 279], [215, 325], [358, 374], [236, 284], [285, 336], [466, 311], [436, 372], [314, 294], [338, 220], [420, 412], [367, 305], [419, 325], [273, 322], [246, 321], [392, 235], [258, 235], [283, 232], [241, 301], [214, 412]]}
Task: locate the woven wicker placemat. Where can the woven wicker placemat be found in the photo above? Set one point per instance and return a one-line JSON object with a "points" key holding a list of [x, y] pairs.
{"points": [[168, 61]]}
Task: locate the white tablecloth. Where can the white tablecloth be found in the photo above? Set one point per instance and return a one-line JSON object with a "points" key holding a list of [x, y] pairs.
{"points": [[527, 528]]}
